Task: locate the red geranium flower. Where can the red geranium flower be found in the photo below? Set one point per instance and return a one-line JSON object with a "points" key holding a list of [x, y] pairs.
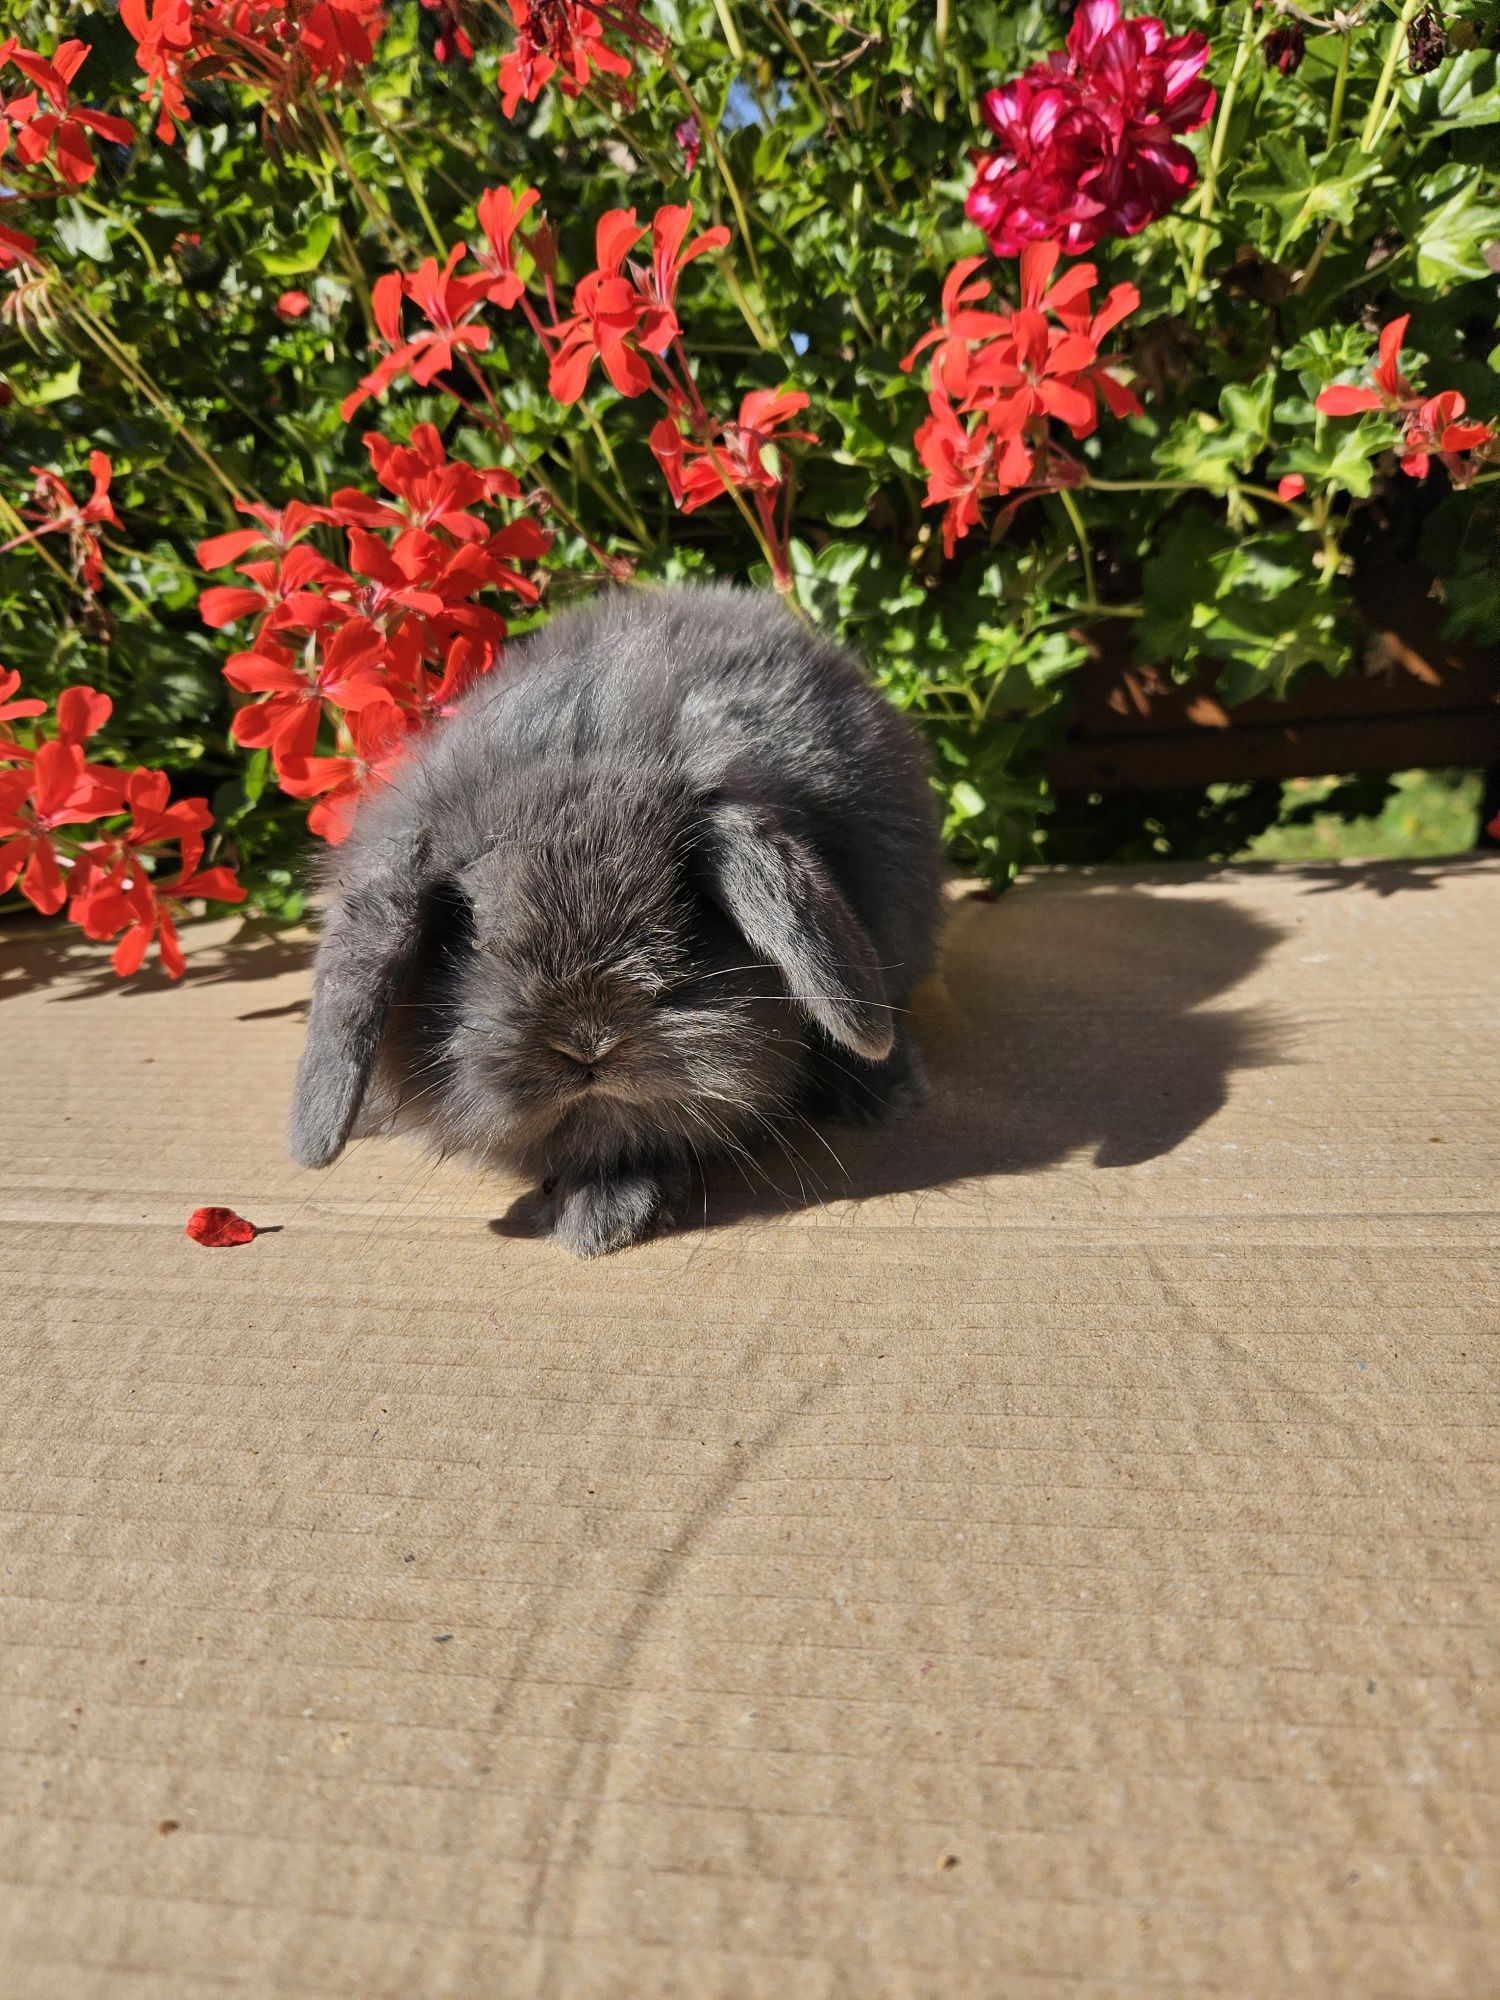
{"points": [[658, 326], [433, 490], [54, 788], [286, 721], [447, 302], [700, 469], [16, 247], [59, 135], [277, 47], [15, 711], [563, 39], [56, 512], [112, 889], [1000, 380], [1437, 426], [121, 896], [500, 213], [1089, 139], [966, 465], [622, 308], [108, 884], [280, 527], [607, 309], [453, 38], [399, 630], [376, 737], [1434, 427], [286, 593], [1345, 399]]}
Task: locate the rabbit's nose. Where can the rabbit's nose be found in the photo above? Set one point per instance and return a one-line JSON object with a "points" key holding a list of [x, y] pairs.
{"points": [[586, 1046]]}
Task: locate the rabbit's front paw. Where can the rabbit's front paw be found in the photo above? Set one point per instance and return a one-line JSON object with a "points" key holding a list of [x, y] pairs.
{"points": [[592, 1217]]}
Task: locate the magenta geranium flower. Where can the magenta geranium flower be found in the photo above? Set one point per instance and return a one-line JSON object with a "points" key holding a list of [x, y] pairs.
{"points": [[1090, 138]]}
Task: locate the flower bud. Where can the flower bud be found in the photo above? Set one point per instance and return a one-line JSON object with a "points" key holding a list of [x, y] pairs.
{"points": [[1283, 47], [1426, 43]]}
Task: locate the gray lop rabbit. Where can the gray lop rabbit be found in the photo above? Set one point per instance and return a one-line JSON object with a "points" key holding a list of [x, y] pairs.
{"points": [[663, 881]]}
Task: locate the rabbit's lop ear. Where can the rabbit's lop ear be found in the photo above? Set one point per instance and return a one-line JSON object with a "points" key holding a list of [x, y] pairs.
{"points": [[371, 938], [785, 903]]}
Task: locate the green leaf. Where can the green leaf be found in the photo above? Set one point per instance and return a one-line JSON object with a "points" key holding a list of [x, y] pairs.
{"points": [[1270, 618], [1342, 457], [1449, 221], [1462, 91], [1216, 453], [1174, 584], [1302, 193], [54, 388], [1324, 353], [301, 254], [1471, 604], [84, 234]]}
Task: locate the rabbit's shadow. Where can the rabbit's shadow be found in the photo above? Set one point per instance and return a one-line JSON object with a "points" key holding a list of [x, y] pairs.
{"points": [[1070, 1018]]}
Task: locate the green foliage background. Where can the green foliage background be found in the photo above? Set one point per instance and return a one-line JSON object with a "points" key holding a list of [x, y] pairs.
{"points": [[845, 133]]}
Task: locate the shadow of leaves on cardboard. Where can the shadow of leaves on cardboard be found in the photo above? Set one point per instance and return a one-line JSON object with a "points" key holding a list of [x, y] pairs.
{"points": [[38, 954]]}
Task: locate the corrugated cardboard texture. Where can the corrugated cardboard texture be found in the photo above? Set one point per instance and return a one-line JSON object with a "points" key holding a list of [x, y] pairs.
{"points": [[1063, 1570]]}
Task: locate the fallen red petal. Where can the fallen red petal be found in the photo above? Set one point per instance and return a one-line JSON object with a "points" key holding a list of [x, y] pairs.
{"points": [[215, 1228]]}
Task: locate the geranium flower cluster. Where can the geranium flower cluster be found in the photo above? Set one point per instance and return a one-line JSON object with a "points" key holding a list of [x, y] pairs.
{"points": [[372, 650], [566, 40], [999, 380], [622, 316], [1431, 427], [44, 136], [65, 838], [54, 511], [1089, 140], [275, 46]]}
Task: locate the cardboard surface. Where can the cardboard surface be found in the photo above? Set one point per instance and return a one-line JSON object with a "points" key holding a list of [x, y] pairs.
{"points": [[1064, 1570]]}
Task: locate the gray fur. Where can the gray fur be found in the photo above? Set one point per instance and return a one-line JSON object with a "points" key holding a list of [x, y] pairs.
{"points": [[665, 878]]}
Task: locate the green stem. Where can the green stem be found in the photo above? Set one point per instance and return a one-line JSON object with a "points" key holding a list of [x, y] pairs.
{"points": [[1340, 86], [1393, 50], [120, 357], [620, 501], [731, 29], [386, 227], [940, 50], [781, 573], [1191, 486], [1081, 536], [627, 518], [114, 577], [1366, 277], [731, 186], [826, 105], [9, 518], [1209, 195], [764, 339], [1320, 250], [359, 285], [533, 470], [751, 521], [413, 186]]}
